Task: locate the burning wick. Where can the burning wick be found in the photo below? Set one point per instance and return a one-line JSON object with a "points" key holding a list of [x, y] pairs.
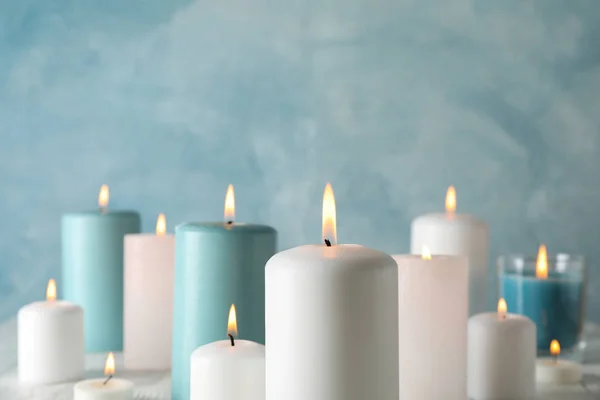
{"points": [[107, 379], [327, 243], [231, 338], [229, 222]]}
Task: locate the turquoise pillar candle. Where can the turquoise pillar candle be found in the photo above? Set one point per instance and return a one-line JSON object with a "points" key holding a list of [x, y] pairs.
{"points": [[92, 272]]}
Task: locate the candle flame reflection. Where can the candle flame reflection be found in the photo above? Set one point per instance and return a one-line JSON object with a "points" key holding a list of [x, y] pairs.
{"points": [[232, 322], [51, 290], [541, 265], [109, 367], [329, 216], [451, 199], [230, 204]]}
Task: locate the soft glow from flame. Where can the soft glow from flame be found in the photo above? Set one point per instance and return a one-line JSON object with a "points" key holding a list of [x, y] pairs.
{"points": [[232, 322], [161, 225], [109, 367], [451, 199], [554, 348], [229, 204], [541, 266], [51, 290], [329, 216], [425, 253], [502, 308], [103, 196]]}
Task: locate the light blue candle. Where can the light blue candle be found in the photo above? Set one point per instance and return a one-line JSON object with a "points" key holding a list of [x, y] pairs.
{"points": [[217, 265], [92, 272]]}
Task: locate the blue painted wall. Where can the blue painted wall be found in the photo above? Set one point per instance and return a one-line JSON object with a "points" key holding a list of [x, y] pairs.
{"points": [[390, 100]]}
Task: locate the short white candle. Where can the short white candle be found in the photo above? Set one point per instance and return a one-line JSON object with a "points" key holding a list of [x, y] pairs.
{"points": [[501, 356], [228, 369], [108, 388], [149, 265], [433, 303], [456, 234], [553, 371], [331, 321], [50, 340]]}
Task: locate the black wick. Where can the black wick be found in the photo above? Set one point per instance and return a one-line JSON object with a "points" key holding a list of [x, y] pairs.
{"points": [[107, 379], [231, 338], [327, 243], [229, 222]]}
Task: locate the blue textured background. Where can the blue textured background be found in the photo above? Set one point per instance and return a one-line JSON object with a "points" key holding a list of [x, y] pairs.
{"points": [[392, 101]]}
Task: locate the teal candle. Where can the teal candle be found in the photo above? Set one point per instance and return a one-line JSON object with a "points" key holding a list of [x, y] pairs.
{"points": [[217, 265], [92, 272]]}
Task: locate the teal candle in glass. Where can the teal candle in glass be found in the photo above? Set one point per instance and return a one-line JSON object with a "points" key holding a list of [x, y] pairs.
{"points": [[217, 265], [92, 270]]}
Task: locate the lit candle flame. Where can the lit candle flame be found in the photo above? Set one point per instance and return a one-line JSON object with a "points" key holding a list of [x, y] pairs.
{"points": [[555, 348], [51, 290], [232, 322], [230, 204], [451, 199], [425, 253], [104, 196], [329, 215], [502, 308], [161, 225], [541, 266], [109, 367]]}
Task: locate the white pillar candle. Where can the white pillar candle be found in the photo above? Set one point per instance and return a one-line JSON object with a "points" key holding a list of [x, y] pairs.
{"points": [[501, 356], [148, 299], [50, 340], [433, 303], [228, 369], [556, 372], [460, 235], [331, 321], [108, 388]]}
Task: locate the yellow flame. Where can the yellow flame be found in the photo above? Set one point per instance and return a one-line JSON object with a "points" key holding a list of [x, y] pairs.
{"points": [[230, 204], [451, 199], [425, 253], [502, 307], [232, 322], [555, 348], [541, 266], [104, 196], [161, 225], [329, 215], [51, 290], [109, 367]]}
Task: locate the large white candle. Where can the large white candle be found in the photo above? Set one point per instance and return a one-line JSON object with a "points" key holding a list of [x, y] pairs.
{"points": [[433, 303], [108, 388], [228, 369], [502, 351], [51, 347], [461, 235], [148, 299], [331, 321]]}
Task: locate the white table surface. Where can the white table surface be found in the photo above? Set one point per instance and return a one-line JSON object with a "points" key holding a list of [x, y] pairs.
{"points": [[157, 385]]}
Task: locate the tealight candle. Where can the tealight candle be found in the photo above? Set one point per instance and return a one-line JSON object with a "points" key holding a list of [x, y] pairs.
{"points": [[552, 371], [108, 388]]}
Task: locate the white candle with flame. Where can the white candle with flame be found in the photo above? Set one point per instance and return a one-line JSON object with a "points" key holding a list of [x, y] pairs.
{"points": [[50, 345], [229, 369], [149, 264], [556, 372], [502, 351], [450, 233], [331, 321], [107, 388]]}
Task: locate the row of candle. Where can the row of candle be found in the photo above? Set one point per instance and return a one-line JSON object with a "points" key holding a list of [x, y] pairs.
{"points": [[321, 300]]}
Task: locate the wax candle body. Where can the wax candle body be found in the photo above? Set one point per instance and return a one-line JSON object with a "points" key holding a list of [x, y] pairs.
{"points": [[216, 265], [50, 345], [501, 357], [555, 305], [460, 235], [331, 324], [92, 272], [433, 304], [220, 371], [556, 372], [148, 301], [97, 389]]}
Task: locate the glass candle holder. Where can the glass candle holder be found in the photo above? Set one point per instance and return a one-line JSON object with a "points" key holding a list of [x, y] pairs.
{"points": [[553, 299]]}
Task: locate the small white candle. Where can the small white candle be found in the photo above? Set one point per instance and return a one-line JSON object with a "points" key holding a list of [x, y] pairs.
{"points": [[228, 369], [51, 342], [456, 234], [149, 265], [552, 371], [501, 356], [108, 388], [433, 302]]}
